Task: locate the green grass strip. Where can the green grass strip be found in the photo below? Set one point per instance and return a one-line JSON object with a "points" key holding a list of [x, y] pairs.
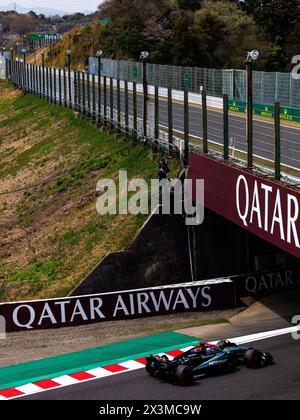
{"points": [[24, 373]]}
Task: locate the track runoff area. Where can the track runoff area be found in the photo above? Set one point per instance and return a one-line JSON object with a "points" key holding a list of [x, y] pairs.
{"points": [[126, 379]]}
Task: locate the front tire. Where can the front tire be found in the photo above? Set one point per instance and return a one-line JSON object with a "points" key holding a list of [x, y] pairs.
{"points": [[184, 375], [253, 359]]}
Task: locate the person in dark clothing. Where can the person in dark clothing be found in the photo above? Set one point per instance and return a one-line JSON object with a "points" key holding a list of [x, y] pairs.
{"points": [[162, 174], [165, 166], [155, 150]]}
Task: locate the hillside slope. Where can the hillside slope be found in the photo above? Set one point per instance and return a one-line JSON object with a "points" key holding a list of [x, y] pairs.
{"points": [[51, 235]]}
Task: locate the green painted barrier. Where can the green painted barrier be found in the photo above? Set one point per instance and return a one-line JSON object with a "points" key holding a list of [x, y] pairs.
{"points": [[288, 114]]}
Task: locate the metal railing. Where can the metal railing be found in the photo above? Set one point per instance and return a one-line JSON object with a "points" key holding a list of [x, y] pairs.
{"points": [[177, 121]]}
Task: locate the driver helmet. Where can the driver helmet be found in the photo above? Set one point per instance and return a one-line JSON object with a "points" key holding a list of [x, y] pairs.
{"points": [[209, 351]]}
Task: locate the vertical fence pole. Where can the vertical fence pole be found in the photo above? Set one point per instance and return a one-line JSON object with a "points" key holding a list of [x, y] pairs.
{"points": [[65, 87], [51, 84], [55, 85], [170, 119], [75, 86], [99, 88], [204, 121], [156, 113], [145, 98], [119, 102], [186, 126], [79, 108], [105, 99], [126, 109], [24, 75], [94, 97], [69, 81], [134, 99], [59, 87], [249, 114], [225, 127], [277, 141], [111, 91], [40, 81], [88, 87], [83, 94], [47, 83], [31, 90]]}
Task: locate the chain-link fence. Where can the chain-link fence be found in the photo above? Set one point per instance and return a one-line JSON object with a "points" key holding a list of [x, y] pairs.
{"points": [[268, 87]]}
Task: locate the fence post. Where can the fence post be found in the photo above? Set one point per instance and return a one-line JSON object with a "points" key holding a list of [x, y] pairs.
{"points": [[44, 83], [249, 114], [277, 141], [186, 126], [59, 87], [119, 101], [47, 83], [83, 94], [156, 113], [65, 87], [111, 101], [51, 84], [99, 89], [94, 97], [30, 79], [40, 80], [170, 118], [126, 108], [225, 127], [78, 92], [204, 121], [55, 85], [88, 87], [134, 98], [105, 99], [145, 98], [69, 85]]}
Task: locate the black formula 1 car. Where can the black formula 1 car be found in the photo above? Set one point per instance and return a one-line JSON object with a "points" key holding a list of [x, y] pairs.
{"points": [[205, 359]]}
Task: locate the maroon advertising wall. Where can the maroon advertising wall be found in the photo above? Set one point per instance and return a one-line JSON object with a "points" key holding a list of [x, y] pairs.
{"points": [[264, 207]]}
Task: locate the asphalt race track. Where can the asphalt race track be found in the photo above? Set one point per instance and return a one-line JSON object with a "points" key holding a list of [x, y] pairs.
{"points": [[280, 381], [263, 130]]}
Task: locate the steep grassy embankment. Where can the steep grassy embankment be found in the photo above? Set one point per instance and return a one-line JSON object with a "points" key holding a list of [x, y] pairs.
{"points": [[79, 40], [51, 235]]}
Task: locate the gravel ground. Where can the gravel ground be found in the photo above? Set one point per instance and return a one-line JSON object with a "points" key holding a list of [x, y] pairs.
{"points": [[32, 345]]}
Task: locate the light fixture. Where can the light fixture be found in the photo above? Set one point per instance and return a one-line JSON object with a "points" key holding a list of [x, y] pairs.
{"points": [[144, 55], [253, 55], [99, 53]]}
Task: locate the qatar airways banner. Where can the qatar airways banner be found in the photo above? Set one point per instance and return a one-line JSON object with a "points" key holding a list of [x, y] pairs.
{"points": [[73, 311], [264, 207]]}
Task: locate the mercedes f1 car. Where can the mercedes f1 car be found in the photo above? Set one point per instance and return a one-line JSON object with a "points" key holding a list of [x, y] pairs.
{"points": [[205, 359]]}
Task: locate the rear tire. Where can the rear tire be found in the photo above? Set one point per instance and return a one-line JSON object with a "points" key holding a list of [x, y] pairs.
{"points": [[253, 359], [184, 375]]}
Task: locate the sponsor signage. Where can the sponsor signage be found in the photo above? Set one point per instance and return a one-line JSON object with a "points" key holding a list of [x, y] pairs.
{"points": [[253, 284], [73, 311], [289, 114], [264, 207]]}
